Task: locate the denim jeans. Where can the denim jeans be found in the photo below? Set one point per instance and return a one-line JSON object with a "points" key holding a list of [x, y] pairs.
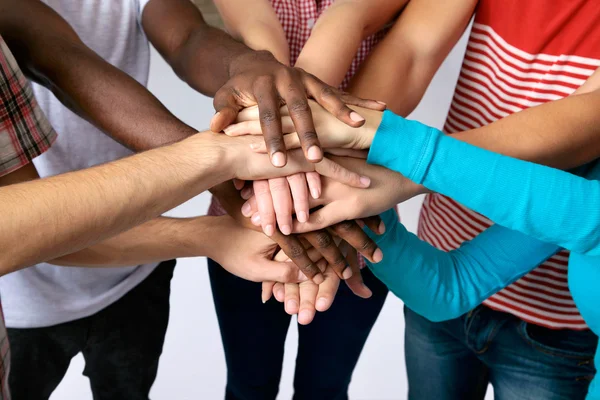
{"points": [[456, 359], [121, 345], [254, 334]]}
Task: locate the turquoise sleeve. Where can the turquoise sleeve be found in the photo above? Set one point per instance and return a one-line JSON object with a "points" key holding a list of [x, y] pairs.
{"points": [[440, 285], [548, 204]]}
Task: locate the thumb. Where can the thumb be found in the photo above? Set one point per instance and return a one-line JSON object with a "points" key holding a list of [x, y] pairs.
{"points": [[320, 219], [223, 118], [341, 174], [277, 271]]}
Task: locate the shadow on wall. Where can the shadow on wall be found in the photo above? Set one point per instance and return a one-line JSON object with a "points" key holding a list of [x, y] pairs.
{"points": [[210, 13]]}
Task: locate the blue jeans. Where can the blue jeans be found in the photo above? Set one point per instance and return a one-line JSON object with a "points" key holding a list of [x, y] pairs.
{"points": [[456, 359], [254, 334]]}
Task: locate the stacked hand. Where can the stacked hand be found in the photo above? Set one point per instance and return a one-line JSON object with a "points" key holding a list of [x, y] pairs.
{"points": [[259, 79], [274, 202]]}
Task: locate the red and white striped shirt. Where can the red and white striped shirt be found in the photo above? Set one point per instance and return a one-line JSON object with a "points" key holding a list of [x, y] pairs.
{"points": [[520, 54]]}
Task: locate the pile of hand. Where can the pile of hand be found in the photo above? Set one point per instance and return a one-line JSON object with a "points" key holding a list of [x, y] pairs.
{"points": [[316, 217]]}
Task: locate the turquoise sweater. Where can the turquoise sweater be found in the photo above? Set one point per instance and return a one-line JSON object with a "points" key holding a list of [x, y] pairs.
{"points": [[539, 210]]}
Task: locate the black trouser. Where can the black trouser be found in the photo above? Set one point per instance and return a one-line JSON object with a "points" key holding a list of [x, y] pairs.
{"points": [[254, 334], [121, 345]]}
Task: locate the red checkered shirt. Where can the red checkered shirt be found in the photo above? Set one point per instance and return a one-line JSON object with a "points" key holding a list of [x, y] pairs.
{"points": [[297, 18], [24, 134]]}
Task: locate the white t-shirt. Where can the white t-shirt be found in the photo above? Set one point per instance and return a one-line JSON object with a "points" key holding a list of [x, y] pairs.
{"points": [[47, 295]]}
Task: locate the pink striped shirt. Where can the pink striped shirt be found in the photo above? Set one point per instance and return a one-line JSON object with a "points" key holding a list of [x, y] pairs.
{"points": [[519, 55]]}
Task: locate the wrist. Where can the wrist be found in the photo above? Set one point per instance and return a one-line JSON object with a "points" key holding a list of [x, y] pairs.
{"points": [[366, 133], [208, 155], [220, 228], [247, 59], [194, 236]]}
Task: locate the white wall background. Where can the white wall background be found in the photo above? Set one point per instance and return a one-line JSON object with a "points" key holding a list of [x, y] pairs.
{"points": [[192, 365]]}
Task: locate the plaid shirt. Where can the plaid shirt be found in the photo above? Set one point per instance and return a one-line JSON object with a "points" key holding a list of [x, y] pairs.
{"points": [[297, 18], [24, 134]]}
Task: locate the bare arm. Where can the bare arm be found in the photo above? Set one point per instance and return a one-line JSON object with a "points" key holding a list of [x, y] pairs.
{"points": [[51, 53], [338, 33], [400, 68], [48, 218], [562, 134], [156, 240], [259, 29]]}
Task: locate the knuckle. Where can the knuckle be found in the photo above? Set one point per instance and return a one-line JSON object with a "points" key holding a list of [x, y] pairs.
{"points": [[368, 245], [327, 92], [319, 219], [295, 251], [260, 190], [278, 185], [345, 227], [268, 117], [308, 135], [299, 106], [323, 239], [296, 177], [339, 261], [309, 269]]}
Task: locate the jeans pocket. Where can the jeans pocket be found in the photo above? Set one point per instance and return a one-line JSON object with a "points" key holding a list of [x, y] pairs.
{"points": [[569, 344]]}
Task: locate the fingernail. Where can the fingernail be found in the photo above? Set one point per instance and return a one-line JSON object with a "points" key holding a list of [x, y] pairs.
{"points": [[227, 130], [246, 193], [256, 219], [264, 297], [304, 317], [381, 228], [286, 229], [382, 103], [377, 255], [360, 223], [246, 209], [315, 193], [278, 159], [314, 153], [347, 273], [254, 146], [269, 230], [322, 303], [354, 116], [368, 292], [291, 305], [365, 182], [318, 279], [302, 217]]}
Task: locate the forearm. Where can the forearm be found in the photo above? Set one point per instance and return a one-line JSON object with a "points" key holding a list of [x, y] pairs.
{"points": [[51, 53], [157, 240], [444, 285], [562, 134], [259, 30], [202, 56], [349, 22], [400, 68], [48, 218], [517, 194]]}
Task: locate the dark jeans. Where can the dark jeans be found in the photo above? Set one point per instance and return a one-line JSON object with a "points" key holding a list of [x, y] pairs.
{"points": [[121, 346], [456, 359], [254, 334]]}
